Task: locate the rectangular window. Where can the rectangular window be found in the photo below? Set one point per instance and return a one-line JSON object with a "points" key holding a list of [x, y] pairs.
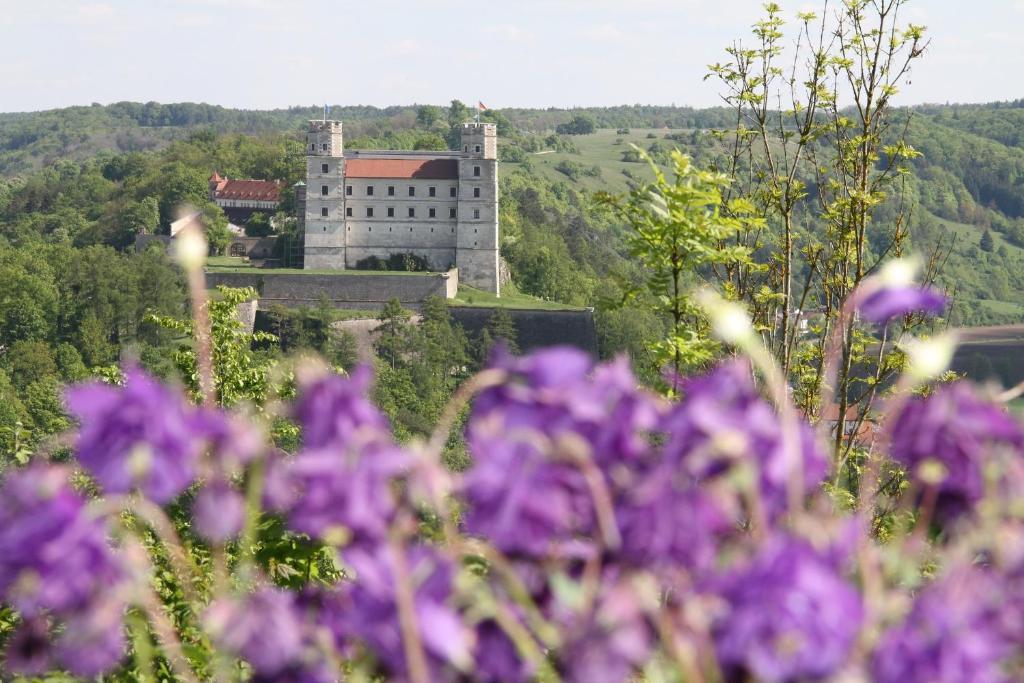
{"points": [[412, 191], [476, 213], [348, 190], [323, 212], [476, 170], [369, 190], [391, 212], [324, 168], [433, 191], [478, 149], [452, 191], [451, 212], [324, 147], [324, 190], [412, 212], [476, 192], [391, 190], [348, 211], [369, 212], [432, 213]]}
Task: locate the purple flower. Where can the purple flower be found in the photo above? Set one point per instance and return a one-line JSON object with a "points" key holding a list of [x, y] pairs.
{"points": [[326, 492], [958, 429], [235, 442], [93, 641], [29, 651], [723, 423], [373, 612], [532, 437], [336, 411], [264, 628], [666, 522], [787, 616], [218, 511], [496, 659], [558, 391], [952, 635], [883, 303], [141, 435], [54, 556], [523, 500], [613, 643]]}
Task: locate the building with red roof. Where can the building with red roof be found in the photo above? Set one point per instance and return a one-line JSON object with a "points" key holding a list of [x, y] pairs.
{"points": [[240, 198], [364, 206]]}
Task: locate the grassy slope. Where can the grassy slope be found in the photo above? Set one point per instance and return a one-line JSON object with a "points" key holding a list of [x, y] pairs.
{"points": [[510, 298], [971, 235], [599, 149]]}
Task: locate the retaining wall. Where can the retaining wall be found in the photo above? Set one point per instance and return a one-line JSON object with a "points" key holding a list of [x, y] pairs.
{"points": [[344, 290], [537, 329]]}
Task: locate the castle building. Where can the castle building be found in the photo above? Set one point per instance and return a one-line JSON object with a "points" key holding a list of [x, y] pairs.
{"points": [[442, 206]]}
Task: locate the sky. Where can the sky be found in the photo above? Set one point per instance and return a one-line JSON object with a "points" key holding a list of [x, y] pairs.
{"points": [[263, 54]]}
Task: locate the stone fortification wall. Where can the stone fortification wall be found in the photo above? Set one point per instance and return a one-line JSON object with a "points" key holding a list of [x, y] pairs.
{"points": [[537, 329], [343, 290]]}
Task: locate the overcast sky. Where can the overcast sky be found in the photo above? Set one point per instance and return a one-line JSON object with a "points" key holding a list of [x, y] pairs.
{"points": [[530, 53]]}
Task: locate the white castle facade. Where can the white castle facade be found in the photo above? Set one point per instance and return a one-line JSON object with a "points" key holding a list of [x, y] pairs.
{"points": [[442, 206]]}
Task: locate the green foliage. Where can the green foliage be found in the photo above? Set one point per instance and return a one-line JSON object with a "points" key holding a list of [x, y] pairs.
{"points": [[581, 124], [987, 243], [679, 227], [405, 262], [240, 374], [258, 225]]}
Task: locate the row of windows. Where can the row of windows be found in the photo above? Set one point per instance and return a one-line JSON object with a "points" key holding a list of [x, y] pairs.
{"points": [[432, 191], [431, 212]]}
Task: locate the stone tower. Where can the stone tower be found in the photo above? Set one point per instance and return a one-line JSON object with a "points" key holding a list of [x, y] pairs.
{"points": [[476, 254], [324, 239]]}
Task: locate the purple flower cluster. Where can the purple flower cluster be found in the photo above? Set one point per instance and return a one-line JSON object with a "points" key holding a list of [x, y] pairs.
{"points": [[788, 615], [57, 567], [335, 411], [953, 634], [147, 436], [538, 441], [342, 487], [612, 517], [532, 439], [955, 429], [267, 629], [723, 424]]}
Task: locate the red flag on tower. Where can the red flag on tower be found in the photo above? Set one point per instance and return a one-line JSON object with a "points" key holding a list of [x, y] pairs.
{"points": [[481, 105]]}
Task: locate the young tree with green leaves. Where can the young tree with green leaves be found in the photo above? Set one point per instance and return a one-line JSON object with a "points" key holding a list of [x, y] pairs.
{"points": [[393, 333], [817, 151], [240, 374], [682, 227]]}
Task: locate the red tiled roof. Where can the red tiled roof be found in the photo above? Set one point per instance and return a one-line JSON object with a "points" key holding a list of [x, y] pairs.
{"points": [[429, 169], [260, 190]]}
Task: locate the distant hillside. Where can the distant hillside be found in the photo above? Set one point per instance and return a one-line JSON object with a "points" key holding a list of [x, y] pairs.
{"points": [[969, 180]]}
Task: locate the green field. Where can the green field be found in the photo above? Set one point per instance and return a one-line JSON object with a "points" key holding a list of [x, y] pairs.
{"points": [[602, 149]]}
